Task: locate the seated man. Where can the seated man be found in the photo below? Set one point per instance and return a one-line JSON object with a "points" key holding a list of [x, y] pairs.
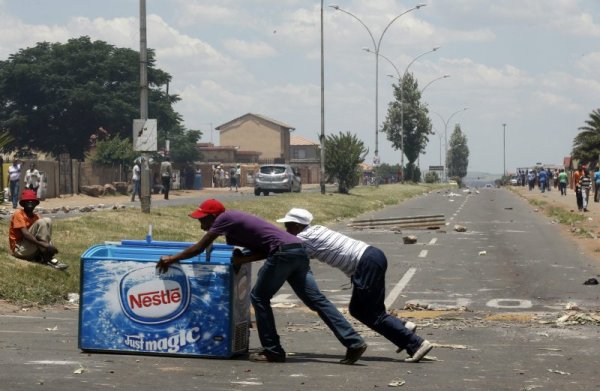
{"points": [[30, 235]]}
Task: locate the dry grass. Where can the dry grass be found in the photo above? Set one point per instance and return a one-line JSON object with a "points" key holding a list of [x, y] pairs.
{"points": [[27, 283]]}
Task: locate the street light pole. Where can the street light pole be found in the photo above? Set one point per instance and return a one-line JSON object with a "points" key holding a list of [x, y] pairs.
{"points": [[322, 138], [446, 138], [433, 81], [376, 46], [504, 146]]}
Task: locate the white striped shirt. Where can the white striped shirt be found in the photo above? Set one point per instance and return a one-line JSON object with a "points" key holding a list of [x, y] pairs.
{"points": [[333, 248]]}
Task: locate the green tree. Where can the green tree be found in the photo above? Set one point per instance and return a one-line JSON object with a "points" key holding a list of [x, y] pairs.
{"points": [[184, 147], [344, 153], [586, 145], [432, 177], [416, 124], [114, 149], [54, 96], [458, 154]]}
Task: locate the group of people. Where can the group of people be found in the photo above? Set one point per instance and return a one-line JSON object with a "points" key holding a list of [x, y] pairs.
{"points": [[581, 181], [286, 254], [231, 177], [544, 179], [32, 180]]}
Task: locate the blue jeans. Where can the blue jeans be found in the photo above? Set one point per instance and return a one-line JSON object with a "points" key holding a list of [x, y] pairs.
{"points": [[367, 302], [136, 190], [293, 266], [14, 193]]}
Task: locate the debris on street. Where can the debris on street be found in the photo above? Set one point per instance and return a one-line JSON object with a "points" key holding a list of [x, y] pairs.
{"points": [[460, 228], [591, 281], [410, 239], [482, 253], [396, 383]]}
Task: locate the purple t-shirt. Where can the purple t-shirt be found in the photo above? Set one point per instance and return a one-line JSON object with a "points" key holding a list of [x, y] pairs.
{"points": [[246, 230]]}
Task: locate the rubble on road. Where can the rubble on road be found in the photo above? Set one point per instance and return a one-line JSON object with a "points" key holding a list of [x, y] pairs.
{"points": [[410, 239], [460, 228]]}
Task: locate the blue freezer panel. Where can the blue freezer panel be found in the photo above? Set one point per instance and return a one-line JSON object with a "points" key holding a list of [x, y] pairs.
{"points": [[195, 309]]}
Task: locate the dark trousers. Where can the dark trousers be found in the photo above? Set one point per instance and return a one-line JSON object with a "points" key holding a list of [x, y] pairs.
{"points": [[367, 302], [579, 198], [166, 182], [563, 188], [293, 266], [596, 194]]}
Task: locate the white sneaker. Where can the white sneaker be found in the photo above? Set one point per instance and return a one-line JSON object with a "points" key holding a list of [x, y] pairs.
{"points": [[57, 265], [425, 348], [410, 326]]}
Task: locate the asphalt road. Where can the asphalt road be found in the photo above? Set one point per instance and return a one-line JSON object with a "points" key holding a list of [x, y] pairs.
{"points": [[493, 317]]}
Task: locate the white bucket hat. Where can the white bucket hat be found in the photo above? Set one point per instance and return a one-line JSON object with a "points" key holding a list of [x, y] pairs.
{"points": [[297, 215]]}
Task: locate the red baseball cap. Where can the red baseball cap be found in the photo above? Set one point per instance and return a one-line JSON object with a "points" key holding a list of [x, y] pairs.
{"points": [[208, 207]]}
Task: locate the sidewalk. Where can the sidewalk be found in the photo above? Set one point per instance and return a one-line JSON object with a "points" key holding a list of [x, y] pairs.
{"points": [[589, 244], [80, 200]]}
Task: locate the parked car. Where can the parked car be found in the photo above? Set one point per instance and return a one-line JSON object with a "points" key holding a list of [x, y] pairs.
{"points": [[514, 181], [277, 178]]}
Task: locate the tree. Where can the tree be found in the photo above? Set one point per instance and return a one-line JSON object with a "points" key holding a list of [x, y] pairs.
{"points": [[432, 177], [114, 149], [343, 154], [586, 145], [54, 96], [416, 124], [457, 160]]}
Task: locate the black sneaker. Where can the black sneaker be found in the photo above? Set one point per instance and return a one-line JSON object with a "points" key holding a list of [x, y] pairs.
{"points": [[353, 354]]}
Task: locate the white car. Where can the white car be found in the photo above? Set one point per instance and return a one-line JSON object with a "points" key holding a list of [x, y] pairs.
{"points": [[514, 181], [277, 178]]}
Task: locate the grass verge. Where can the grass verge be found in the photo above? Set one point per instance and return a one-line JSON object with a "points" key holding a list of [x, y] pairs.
{"points": [[28, 284]]}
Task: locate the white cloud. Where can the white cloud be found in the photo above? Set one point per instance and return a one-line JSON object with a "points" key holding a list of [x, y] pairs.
{"points": [[251, 50]]}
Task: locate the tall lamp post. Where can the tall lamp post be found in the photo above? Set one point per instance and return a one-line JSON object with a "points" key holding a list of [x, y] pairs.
{"points": [[504, 146], [376, 47], [401, 84], [433, 81], [446, 137], [322, 137]]}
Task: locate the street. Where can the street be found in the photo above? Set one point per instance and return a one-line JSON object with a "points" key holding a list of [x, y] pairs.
{"points": [[489, 298]]}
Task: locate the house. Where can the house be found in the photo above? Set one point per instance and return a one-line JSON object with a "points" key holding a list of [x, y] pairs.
{"points": [[255, 132], [306, 157]]}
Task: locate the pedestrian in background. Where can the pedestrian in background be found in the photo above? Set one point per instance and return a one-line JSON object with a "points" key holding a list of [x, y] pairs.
{"points": [[597, 184], [135, 180], [366, 266], [14, 178], [32, 178], [166, 172], [562, 181], [543, 179], [286, 260], [585, 183], [577, 174]]}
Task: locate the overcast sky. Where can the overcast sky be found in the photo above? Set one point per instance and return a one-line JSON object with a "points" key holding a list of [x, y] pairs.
{"points": [[532, 64]]}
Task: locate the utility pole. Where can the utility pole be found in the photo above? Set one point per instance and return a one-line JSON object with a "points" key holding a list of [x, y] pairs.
{"points": [[322, 137], [145, 172], [504, 146]]}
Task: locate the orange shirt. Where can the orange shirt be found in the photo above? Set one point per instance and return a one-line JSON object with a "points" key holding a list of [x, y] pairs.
{"points": [[19, 220], [576, 176]]}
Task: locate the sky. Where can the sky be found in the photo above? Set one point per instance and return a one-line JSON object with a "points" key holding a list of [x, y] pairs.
{"points": [[529, 64]]}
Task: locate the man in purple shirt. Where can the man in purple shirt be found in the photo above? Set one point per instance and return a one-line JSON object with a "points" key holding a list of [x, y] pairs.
{"points": [[286, 260]]}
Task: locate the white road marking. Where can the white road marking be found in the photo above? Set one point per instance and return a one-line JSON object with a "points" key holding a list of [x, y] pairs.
{"points": [[53, 362], [432, 241], [400, 286], [423, 253], [283, 298]]}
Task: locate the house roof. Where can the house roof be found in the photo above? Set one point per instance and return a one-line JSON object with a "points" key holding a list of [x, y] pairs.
{"points": [[264, 118], [299, 140]]}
